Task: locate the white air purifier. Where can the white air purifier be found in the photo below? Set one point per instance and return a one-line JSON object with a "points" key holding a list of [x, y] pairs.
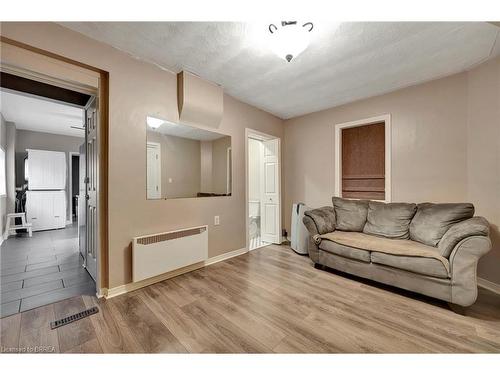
{"points": [[300, 234]]}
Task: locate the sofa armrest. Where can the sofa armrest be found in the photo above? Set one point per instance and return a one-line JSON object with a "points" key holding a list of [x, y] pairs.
{"points": [[310, 225], [463, 268], [323, 219], [318, 221], [475, 226], [312, 245]]}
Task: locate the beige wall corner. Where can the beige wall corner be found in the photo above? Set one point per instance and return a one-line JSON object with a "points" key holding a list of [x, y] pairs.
{"points": [[483, 156], [445, 148]]}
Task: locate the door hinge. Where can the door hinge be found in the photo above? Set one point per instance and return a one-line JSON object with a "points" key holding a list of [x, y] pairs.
{"points": [[86, 180]]}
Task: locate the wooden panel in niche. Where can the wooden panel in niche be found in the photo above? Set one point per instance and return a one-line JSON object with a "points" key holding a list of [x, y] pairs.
{"points": [[363, 161]]}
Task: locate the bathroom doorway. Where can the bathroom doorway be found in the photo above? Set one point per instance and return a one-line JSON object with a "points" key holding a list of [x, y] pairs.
{"points": [[263, 189]]}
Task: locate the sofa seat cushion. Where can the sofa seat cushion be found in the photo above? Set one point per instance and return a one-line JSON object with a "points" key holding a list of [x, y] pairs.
{"points": [[368, 242], [345, 251], [421, 265]]}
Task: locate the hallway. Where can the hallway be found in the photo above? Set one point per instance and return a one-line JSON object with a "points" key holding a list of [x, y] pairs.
{"points": [[40, 270]]}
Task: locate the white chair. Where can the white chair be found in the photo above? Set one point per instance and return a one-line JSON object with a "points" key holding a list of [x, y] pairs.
{"points": [[11, 226]]}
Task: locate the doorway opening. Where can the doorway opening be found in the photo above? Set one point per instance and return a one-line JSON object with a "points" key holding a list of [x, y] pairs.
{"points": [[47, 229], [263, 189], [74, 176]]}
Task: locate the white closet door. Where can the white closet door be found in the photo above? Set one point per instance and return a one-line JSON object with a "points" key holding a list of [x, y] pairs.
{"points": [[46, 170], [270, 202], [59, 209], [46, 209], [34, 209]]}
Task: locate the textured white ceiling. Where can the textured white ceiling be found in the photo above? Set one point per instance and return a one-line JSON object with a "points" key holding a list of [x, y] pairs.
{"points": [[344, 62], [32, 113]]}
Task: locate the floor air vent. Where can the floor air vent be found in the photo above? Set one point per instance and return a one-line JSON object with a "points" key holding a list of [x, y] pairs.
{"points": [[74, 317]]}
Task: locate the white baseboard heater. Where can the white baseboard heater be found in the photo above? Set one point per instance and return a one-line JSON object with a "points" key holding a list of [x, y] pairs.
{"points": [[159, 253]]}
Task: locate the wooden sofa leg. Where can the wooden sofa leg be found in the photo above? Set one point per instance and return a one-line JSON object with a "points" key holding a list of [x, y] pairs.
{"points": [[457, 309]]}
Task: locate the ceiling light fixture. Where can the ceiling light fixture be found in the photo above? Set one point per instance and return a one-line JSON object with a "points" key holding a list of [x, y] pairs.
{"points": [[289, 40], [153, 122]]}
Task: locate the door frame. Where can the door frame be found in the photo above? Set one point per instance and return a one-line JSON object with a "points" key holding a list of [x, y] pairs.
{"points": [[229, 171], [252, 133], [78, 82], [70, 181], [158, 147], [386, 119]]}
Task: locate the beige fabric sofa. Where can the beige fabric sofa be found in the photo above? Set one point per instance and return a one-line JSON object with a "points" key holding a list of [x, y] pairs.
{"points": [[432, 249]]}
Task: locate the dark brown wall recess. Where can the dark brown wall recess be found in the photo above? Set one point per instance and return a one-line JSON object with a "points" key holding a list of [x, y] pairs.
{"points": [[13, 82], [363, 162]]}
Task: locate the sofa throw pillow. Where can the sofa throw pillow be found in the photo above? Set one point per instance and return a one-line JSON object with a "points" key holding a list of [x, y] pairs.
{"points": [[350, 214], [432, 220], [391, 220]]}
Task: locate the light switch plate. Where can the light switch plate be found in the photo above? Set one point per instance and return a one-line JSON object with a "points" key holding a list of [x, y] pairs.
{"points": [[216, 220]]}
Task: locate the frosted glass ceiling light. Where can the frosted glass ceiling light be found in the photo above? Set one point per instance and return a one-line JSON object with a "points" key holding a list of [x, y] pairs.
{"points": [[153, 122], [289, 40]]}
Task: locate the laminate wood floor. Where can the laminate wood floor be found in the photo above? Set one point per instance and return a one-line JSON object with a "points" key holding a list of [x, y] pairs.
{"points": [[268, 300]]}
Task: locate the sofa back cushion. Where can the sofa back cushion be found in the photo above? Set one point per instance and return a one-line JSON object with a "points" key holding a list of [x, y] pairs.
{"points": [[350, 214], [432, 220], [391, 220]]}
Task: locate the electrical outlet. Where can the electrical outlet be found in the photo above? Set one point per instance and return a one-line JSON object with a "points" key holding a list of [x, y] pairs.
{"points": [[216, 220], [170, 180]]}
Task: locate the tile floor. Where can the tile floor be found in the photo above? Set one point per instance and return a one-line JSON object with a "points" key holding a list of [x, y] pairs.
{"points": [[254, 233], [40, 270]]}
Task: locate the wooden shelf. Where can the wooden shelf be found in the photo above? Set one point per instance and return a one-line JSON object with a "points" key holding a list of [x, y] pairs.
{"points": [[365, 189], [364, 177]]}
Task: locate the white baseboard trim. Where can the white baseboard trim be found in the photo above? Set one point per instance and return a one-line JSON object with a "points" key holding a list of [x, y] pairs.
{"points": [[126, 288], [101, 292], [486, 284]]}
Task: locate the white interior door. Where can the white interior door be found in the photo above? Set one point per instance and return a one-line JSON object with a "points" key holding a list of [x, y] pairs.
{"points": [[92, 187], [153, 170], [82, 202], [270, 201]]}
